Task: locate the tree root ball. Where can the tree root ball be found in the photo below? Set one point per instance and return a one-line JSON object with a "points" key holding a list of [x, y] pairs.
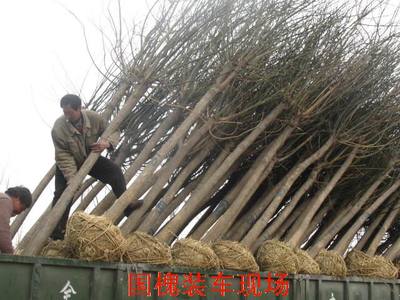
{"points": [[95, 238], [307, 265], [331, 263], [194, 254], [397, 264], [277, 256], [144, 248], [235, 256], [57, 249], [361, 264]]}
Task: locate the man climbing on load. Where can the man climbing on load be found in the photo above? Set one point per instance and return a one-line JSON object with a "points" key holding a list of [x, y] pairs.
{"points": [[12, 202], [74, 135]]}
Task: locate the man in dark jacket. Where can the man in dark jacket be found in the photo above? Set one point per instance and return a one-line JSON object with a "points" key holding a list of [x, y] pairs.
{"points": [[13, 202], [74, 135]]}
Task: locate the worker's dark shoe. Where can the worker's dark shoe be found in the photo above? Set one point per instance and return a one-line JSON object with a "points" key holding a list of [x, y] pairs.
{"points": [[132, 207]]}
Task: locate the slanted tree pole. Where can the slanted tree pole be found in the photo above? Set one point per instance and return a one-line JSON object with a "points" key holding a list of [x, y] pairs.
{"points": [[170, 208], [317, 201], [197, 199], [211, 196], [393, 251], [228, 218], [291, 177], [370, 231], [224, 203], [159, 211], [16, 224], [282, 231], [242, 226], [132, 192], [316, 221], [387, 222], [147, 224], [282, 218], [134, 219], [344, 217], [344, 242], [36, 227]]}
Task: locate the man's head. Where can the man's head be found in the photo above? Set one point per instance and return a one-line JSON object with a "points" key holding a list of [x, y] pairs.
{"points": [[21, 198], [71, 105]]}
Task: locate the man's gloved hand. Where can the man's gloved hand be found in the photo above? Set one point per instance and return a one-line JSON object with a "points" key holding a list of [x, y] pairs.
{"points": [[100, 146]]}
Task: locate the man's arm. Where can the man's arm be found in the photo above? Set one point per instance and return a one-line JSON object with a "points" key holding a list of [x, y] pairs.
{"points": [[64, 159], [5, 234]]}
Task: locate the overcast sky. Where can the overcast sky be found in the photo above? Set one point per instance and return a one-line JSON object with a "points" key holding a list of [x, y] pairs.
{"points": [[42, 57]]}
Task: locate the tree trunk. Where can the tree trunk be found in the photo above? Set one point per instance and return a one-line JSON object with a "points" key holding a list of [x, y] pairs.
{"points": [[148, 222], [151, 198], [107, 113], [317, 201], [282, 218], [229, 217], [170, 208], [226, 202], [158, 211], [148, 202], [341, 247], [371, 230], [204, 217], [35, 228], [46, 213], [132, 192], [246, 222], [242, 226], [282, 231], [16, 224], [175, 203], [142, 157], [393, 251], [197, 198], [208, 196], [317, 219], [345, 216], [291, 177], [377, 238]]}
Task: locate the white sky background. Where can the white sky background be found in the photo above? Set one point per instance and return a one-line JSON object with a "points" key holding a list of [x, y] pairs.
{"points": [[42, 57]]}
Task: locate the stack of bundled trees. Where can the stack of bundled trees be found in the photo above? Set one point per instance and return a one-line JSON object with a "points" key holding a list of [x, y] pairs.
{"points": [[251, 120]]}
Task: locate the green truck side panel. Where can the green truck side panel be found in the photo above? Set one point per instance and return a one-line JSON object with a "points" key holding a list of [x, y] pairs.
{"points": [[38, 278]]}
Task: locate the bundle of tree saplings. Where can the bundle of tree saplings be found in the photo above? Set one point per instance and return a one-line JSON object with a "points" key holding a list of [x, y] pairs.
{"points": [[273, 124]]}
